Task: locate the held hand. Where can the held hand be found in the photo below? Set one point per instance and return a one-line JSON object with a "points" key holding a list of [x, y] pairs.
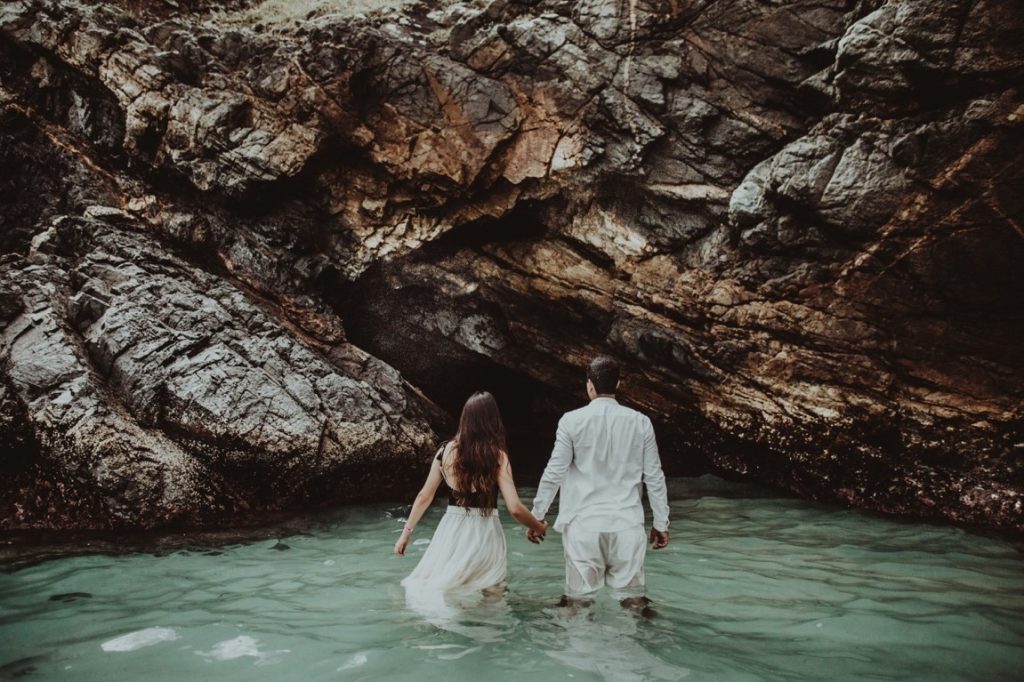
{"points": [[402, 543], [659, 538], [537, 536]]}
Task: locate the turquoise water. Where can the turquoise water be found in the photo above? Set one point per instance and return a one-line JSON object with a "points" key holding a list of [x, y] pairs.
{"points": [[753, 587]]}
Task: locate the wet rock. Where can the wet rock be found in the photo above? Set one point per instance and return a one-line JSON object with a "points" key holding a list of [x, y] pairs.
{"points": [[798, 225], [908, 54], [174, 396]]}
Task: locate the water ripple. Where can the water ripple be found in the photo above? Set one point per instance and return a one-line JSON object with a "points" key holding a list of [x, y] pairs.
{"points": [[754, 586]]}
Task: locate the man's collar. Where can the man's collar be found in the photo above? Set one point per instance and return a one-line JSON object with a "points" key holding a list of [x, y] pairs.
{"points": [[604, 397]]}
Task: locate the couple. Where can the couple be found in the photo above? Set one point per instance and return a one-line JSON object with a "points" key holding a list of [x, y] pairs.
{"points": [[603, 453]]}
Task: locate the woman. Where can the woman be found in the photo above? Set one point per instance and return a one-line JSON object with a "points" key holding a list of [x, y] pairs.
{"points": [[467, 552]]}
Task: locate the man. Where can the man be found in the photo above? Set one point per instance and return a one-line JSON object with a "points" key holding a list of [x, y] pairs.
{"points": [[603, 453]]}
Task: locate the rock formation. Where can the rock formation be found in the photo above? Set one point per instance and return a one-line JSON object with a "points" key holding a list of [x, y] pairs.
{"points": [[252, 246]]}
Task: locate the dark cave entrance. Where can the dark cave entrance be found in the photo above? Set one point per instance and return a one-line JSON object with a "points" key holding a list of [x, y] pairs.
{"points": [[404, 312], [404, 327], [529, 413]]}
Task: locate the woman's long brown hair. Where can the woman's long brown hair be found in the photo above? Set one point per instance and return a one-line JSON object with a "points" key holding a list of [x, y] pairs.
{"points": [[480, 440]]}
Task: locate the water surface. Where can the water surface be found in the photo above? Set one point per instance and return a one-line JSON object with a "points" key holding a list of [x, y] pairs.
{"points": [[753, 587]]}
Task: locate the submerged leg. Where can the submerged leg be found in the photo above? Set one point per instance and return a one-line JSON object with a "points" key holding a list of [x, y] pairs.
{"points": [[498, 590], [639, 606], [575, 604]]}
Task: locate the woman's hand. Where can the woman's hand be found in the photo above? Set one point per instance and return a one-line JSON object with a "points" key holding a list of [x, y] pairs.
{"points": [[402, 543], [536, 536], [419, 505]]}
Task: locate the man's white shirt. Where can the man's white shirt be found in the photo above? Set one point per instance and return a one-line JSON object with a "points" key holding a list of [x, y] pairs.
{"points": [[603, 453]]}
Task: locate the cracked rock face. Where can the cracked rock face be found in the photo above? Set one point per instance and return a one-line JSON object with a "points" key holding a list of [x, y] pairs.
{"points": [[251, 244], [158, 393]]}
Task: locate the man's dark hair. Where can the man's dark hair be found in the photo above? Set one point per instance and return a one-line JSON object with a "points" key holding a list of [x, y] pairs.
{"points": [[603, 372]]}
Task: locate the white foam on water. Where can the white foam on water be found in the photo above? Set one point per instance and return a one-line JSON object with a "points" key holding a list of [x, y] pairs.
{"points": [[240, 646], [139, 639], [421, 541], [354, 662], [455, 657], [243, 645]]}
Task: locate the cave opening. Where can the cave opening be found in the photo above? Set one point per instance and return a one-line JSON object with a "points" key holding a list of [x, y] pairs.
{"points": [[442, 346], [438, 316]]}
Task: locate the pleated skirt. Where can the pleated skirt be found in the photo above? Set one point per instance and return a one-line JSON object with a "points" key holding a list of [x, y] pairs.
{"points": [[467, 553]]}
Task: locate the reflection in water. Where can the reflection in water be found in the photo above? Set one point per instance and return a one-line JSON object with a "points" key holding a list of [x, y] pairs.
{"points": [[753, 587], [609, 643], [480, 616]]}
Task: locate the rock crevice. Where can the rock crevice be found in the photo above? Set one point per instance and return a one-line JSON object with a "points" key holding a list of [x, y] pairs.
{"points": [[255, 251]]}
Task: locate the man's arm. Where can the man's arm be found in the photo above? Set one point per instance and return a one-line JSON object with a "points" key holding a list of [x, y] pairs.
{"points": [[555, 471], [654, 480]]}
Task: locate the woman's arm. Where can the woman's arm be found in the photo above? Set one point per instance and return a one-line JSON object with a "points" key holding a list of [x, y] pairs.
{"points": [[423, 500], [514, 505]]}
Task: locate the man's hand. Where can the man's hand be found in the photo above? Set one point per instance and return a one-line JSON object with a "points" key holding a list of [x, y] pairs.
{"points": [[534, 536], [659, 538]]}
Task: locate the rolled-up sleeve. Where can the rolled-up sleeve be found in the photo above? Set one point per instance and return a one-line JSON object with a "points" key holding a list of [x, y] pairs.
{"points": [[654, 479], [555, 471]]}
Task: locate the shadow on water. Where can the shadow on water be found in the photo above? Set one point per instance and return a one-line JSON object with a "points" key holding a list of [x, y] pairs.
{"points": [[19, 549]]}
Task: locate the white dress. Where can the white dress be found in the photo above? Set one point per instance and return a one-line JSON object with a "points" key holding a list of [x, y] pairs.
{"points": [[466, 555]]}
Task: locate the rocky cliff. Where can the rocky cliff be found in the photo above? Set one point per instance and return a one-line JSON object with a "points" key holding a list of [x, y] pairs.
{"points": [[254, 252]]}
